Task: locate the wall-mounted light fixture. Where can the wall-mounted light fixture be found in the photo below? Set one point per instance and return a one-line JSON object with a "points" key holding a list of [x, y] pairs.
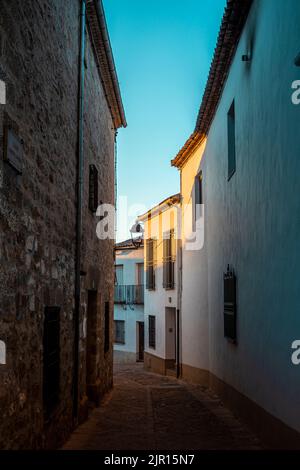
{"points": [[246, 58], [137, 234], [297, 60]]}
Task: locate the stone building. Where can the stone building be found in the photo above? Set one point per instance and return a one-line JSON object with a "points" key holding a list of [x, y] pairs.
{"points": [[58, 130]]}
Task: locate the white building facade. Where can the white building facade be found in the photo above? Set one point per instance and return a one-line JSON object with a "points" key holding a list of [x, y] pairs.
{"points": [[242, 166], [129, 303], [162, 226]]}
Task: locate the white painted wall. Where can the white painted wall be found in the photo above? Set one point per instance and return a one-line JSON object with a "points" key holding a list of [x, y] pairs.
{"points": [[135, 313], [252, 222]]}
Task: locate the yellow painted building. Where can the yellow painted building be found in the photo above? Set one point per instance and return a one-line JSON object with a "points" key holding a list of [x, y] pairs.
{"points": [[162, 228]]}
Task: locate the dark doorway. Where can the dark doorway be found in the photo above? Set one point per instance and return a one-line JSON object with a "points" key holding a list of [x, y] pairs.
{"points": [[91, 341], [141, 339]]}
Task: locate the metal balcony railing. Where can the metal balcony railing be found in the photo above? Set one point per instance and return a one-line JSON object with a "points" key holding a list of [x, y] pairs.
{"points": [[129, 294]]}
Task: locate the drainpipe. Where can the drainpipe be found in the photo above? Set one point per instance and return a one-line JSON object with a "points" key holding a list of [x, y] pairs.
{"points": [[178, 311], [80, 168], [179, 289]]}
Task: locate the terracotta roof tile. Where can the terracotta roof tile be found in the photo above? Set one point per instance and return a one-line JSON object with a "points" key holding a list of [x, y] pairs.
{"points": [[233, 21]]}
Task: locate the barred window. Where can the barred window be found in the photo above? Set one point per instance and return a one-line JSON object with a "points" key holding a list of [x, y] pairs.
{"points": [[119, 269], [152, 331], [120, 331], [150, 263], [169, 260]]}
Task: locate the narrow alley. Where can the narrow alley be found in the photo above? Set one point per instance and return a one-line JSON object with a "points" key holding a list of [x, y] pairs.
{"points": [[149, 232], [148, 411]]}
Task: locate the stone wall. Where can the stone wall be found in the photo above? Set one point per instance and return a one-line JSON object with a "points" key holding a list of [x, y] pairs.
{"points": [[39, 46]]}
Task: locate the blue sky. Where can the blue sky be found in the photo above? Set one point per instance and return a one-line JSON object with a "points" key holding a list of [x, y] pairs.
{"points": [[163, 50]]}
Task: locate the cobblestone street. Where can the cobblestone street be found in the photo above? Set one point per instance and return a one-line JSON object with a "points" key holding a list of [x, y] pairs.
{"points": [[148, 411]]}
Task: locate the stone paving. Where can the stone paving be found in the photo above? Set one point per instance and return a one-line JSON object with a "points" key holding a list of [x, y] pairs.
{"points": [[146, 411]]}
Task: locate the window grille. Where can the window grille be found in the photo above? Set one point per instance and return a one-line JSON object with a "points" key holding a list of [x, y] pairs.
{"points": [[152, 332], [169, 261]]}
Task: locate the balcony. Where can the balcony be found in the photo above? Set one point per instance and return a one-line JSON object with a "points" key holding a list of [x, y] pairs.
{"points": [[129, 295]]}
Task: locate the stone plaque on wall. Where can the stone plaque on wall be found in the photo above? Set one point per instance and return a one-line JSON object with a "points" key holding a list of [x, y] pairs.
{"points": [[13, 150], [2, 353]]}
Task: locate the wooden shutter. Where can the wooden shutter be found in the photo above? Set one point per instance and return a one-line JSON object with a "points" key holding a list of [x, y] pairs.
{"points": [[152, 331], [230, 305]]}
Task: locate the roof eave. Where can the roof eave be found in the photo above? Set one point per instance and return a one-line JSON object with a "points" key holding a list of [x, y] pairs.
{"points": [[193, 142], [232, 25], [233, 21], [105, 61], [128, 247], [161, 207]]}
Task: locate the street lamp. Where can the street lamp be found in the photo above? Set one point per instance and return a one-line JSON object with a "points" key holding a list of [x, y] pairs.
{"points": [[137, 232]]}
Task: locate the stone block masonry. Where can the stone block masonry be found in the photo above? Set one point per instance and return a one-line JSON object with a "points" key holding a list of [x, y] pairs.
{"points": [[39, 50]]}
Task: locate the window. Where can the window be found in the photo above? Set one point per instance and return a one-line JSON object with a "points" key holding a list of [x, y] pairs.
{"points": [[120, 331], [198, 198], [230, 305], [140, 273], [119, 274], [169, 260], [93, 188], [150, 263], [152, 331], [106, 327], [139, 288], [119, 287], [231, 141], [51, 359]]}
